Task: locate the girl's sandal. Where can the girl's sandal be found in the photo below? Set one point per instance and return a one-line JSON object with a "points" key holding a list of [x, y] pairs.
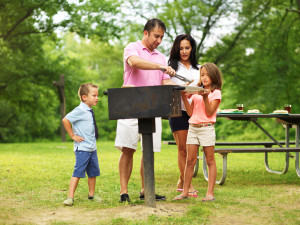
{"points": [[208, 199], [180, 197], [193, 194]]}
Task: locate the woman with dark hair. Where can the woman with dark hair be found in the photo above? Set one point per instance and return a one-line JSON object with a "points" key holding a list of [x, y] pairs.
{"points": [[183, 61]]}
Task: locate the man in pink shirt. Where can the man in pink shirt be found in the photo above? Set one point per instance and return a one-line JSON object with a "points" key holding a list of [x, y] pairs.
{"points": [[143, 66]]}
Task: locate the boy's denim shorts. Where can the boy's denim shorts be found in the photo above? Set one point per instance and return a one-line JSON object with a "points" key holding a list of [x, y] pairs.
{"points": [[86, 162]]}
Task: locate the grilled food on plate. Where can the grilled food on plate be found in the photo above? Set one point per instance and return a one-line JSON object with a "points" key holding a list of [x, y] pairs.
{"points": [[253, 111], [280, 111]]}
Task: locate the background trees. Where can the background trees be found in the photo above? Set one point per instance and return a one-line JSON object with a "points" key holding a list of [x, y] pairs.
{"points": [[31, 57], [255, 43]]}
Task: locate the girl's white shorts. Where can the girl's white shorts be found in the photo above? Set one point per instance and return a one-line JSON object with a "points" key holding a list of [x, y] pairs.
{"points": [[203, 136], [128, 136]]}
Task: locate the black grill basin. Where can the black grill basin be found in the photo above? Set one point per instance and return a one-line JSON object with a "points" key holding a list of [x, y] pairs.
{"points": [[144, 102]]}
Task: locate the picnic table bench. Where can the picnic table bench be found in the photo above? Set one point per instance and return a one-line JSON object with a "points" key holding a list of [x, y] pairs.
{"points": [[288, 121]]}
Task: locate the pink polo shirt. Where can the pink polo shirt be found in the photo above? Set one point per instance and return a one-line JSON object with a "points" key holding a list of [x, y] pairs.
{"points": [[199, 114], [137, 77]]}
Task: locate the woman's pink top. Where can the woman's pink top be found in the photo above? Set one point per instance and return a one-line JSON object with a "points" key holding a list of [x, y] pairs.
{"points": [[199, 114]]}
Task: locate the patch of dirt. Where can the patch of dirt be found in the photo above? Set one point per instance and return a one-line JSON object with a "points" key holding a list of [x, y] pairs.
{"points": [[246, 210], [128, 212]]}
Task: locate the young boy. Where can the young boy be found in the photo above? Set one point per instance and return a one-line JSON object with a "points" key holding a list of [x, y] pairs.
{"points": [[84, 133]]}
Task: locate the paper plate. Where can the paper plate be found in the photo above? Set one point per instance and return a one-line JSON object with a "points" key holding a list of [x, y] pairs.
{"points": [[192, 89]]}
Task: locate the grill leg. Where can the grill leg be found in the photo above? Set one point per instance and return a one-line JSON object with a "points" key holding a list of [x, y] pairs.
{"points": [[148, 161], [146, 128]]}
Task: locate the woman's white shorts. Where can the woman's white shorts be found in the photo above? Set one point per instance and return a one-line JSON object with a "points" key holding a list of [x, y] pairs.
{"points": [[128, 136]]}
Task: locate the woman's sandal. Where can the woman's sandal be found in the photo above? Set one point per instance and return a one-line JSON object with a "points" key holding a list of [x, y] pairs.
{"points": [[193, 194], [208, 199], [180, 197]]}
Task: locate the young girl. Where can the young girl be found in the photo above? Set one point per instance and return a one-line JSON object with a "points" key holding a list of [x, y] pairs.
{"points": [[203, 112]]}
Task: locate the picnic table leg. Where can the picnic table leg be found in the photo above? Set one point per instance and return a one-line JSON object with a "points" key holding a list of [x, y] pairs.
{"points": [[267, 133], [297, 153], [287, 155], [224, 171]]}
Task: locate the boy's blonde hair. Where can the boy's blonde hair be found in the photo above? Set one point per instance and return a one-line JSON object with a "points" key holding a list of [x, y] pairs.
{"points": [[84, 89], [214, 74]]}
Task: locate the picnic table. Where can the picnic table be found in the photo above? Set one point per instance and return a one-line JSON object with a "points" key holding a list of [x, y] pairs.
{"points": [[288, 120]]}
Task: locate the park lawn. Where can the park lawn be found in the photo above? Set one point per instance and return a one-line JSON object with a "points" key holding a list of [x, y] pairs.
{"points": [[34, 179]]}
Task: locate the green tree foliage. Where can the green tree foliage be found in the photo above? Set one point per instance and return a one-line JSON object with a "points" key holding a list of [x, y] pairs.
{"points": [[261, 69], [198, 18], [265, 57], [97, 62], [29, 106]]}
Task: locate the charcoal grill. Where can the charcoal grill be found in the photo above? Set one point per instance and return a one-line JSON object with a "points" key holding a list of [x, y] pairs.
{"points": [[145, 103]]}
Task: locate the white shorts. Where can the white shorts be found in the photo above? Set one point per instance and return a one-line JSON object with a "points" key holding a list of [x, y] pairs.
{"points": [[128, 136], [203, 136]]}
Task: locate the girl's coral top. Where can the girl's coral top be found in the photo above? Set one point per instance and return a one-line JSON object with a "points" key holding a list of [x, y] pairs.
{"points": [[199, 115]]}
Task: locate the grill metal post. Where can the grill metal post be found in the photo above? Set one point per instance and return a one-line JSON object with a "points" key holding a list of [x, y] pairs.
{"points": [[146, 128], [145, 103]]}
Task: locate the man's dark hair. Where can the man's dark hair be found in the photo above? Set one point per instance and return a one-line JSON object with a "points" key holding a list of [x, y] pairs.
{"points": [[153, 23]]}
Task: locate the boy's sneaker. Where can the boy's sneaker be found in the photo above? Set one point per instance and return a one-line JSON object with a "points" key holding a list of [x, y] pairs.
{"points": [[157, 197], [95, 198], [69, 201], [124, 198]]}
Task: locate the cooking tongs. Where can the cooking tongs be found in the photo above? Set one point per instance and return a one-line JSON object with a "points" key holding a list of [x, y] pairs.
{"points": [[179, 77], [182, 78]]}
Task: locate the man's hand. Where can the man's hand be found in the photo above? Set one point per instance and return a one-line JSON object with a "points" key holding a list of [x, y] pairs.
{"points": [[168, 70]]}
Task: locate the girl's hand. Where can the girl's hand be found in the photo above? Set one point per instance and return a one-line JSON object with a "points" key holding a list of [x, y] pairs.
{"points": [[77, 138], [185, 95], [204, 92]]}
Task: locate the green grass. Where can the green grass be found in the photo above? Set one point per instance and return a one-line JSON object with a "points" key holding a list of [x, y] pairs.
{"points": [[34, 180]]}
